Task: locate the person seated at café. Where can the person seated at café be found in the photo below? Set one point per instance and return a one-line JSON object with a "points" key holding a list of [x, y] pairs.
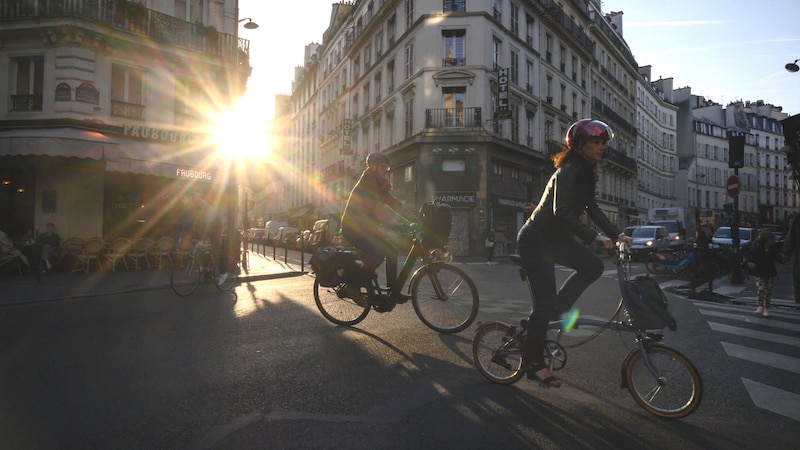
{"points": [[8, 252], [49, 240]]}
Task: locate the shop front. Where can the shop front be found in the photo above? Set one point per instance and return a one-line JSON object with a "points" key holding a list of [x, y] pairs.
{"points": [[463, 205], [106, 184], [508, 215]]}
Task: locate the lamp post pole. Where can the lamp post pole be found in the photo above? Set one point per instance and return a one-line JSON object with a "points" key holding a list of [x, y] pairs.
{"points": [[232, 186]]}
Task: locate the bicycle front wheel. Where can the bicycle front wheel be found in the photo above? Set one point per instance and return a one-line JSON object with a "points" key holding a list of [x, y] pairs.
{"points": [[444, 298], [185, 279], [673, 392], [336, 307], [497, 359]]}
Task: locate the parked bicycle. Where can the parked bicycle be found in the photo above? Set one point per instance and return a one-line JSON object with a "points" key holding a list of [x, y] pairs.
{"points": [[660, 379], [444, 297], [690, 264], [201, 266]]}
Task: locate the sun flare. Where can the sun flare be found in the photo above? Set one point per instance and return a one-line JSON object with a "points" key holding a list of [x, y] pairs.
{"points": [[241, 134]]}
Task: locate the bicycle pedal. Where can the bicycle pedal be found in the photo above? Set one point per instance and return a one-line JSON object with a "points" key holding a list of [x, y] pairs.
{"points": [[501, 361]]}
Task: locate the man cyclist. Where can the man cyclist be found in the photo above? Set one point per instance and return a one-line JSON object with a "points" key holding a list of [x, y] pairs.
{"points": [[363, 215], [202, 221]]}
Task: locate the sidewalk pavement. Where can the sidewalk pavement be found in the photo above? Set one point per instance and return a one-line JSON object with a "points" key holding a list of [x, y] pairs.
{"points": [[16, 290]]}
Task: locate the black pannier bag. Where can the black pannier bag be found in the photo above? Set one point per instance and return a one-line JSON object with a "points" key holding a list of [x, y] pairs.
{"points": [[331, 265], [436, 220], [647, 305]]}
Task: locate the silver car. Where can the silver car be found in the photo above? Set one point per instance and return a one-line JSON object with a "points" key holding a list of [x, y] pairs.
{"points": [[647, 239]]}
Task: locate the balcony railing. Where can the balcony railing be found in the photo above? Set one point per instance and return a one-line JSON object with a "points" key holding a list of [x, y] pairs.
{"points": [[26, 102], [135, 18], [453, 118], [129, 110]]}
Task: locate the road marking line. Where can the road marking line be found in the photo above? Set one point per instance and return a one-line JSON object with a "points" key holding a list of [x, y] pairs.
{"points": [[761, 335], [773, 399], [770, 359]]}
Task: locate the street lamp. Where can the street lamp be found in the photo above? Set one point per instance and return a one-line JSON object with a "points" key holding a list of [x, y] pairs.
{"points": [[250, 25], [792, 66]]}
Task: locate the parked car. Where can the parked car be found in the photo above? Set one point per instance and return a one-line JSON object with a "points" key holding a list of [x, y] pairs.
{"points": [[302, 239], [286, 237], [321, 235], [648, 239], [722, 237], [256, 235]]}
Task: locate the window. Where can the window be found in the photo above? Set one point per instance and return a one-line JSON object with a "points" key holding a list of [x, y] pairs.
{"points": [[408, 174], [514, 19], [28, 83], [126, 92], [454, 100], [496, 47], [409, 116], [453, 47], [514, 67], [548, 39], [409, 60], [409, 13], [454, 5], [390, 28], [390, 76], [454, 165]]}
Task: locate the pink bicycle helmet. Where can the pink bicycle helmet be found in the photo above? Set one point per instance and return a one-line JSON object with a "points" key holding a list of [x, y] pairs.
{"points": [[588, 128]]}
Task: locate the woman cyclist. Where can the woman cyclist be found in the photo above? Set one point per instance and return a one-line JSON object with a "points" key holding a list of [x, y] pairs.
{"points": [[548, 238]]}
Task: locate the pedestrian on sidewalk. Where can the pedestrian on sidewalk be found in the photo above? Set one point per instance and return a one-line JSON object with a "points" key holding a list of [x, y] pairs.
{"points": [[791, 249], [761, 263], [489, 244]]}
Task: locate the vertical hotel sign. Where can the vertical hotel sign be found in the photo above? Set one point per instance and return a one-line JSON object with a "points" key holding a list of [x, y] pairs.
{"points": [[502, 94], [346, 149]]}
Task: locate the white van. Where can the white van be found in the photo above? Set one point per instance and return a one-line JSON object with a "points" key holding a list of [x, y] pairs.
{"points": [[271, 229]]}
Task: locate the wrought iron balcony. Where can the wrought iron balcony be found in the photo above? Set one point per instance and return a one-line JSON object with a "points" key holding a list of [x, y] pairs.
{"points": [[135, 18], [26, 102], [453, 118]]}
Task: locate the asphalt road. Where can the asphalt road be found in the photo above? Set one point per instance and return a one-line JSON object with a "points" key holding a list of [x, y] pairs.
{"points": [[261, 368]]}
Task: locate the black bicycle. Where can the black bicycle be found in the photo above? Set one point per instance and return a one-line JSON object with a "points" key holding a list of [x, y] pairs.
{"points": [[444, 297], [200, 266], [660, 379]]}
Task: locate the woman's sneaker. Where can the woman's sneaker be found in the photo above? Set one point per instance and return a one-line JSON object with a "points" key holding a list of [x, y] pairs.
{"points": [[765, 313], [760, 309]]}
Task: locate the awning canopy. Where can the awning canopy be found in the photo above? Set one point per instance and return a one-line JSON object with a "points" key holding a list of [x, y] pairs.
{"points": [[144, 157], [66, 142], [153, 158]]}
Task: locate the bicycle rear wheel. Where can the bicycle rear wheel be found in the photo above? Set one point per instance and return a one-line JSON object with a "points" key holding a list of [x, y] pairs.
{"points": [[336, 307], [230, 280], [676, 391], [444, 298], [185, 279], [497, 359]]}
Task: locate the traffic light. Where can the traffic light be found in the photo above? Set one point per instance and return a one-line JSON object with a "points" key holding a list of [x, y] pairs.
{"points": [[736, 154]]}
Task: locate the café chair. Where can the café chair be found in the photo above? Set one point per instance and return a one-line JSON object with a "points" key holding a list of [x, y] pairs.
{"points": [[162, 250], [91, 251], [140, 251], [116, 252]]}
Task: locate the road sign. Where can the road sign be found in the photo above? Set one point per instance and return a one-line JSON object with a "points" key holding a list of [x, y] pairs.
{"points": [[732, 186], [528, 207]]}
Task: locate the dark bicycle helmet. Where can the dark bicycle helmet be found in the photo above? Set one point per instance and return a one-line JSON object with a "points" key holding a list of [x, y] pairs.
{"points": [[588, 128], [377, 158]]}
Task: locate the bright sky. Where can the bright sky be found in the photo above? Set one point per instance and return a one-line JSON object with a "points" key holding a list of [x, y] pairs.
{"points": [[724, 49]]}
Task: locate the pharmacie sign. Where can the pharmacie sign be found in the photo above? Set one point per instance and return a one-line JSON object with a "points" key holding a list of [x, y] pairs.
{"points": [[455, 198]]}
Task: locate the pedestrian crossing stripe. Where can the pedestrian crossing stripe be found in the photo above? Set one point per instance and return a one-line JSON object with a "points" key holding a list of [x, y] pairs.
{"points": [[749, 317], [755, 334], [770, 359], [773, 399]]}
